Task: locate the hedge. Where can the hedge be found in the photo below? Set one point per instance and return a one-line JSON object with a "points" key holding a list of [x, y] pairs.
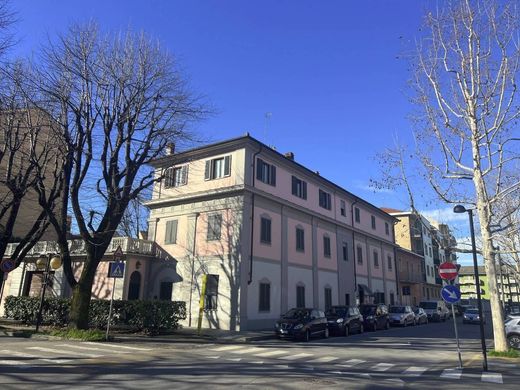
{"points": [[148, 316]]}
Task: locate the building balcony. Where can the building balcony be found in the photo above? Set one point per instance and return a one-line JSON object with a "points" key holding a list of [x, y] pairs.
{"points": [[406, 277], [77, 248]]}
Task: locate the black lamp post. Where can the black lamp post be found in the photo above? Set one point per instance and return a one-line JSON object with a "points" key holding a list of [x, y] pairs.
{"points": [[51, 261], [461, 209]]}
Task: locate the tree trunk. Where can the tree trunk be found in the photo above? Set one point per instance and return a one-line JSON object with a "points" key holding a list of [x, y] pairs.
{"points": [[79, 309]]}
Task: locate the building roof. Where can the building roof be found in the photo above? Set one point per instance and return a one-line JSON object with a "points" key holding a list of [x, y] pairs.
{"points": [[239, 141], [390, 210]]}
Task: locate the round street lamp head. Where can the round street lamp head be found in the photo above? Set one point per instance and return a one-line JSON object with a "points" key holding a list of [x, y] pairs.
{"points": [[459, 209], [56, 262], [41, 263]]}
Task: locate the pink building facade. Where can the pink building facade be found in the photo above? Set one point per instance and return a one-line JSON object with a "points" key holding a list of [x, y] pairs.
{"points": [[269, 234]]}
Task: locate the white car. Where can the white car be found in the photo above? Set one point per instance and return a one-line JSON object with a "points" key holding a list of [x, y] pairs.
{"points": [[512, 326]]}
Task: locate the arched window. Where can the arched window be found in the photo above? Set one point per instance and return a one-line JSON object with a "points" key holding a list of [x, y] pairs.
{"points": [[134, 286]]}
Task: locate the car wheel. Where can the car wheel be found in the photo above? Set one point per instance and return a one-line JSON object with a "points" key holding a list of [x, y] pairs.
{"points": [[374, 328], [307, 336], [326, 334], [514, 341], [405, 323], [361, 328], [414, 322], [387, 325], [347, 331]]}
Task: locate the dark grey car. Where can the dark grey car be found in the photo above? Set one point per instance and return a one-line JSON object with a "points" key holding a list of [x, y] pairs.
{"points": [[420, 316]]}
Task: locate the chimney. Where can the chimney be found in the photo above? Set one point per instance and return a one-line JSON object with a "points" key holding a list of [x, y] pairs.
{"points": [[289, 155], [170, 148]]}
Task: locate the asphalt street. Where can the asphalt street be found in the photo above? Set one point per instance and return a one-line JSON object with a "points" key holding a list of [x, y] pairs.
{"points": [[414, 357]]}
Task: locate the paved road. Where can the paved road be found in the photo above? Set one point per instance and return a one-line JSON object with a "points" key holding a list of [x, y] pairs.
{"points": [[418, 357]]}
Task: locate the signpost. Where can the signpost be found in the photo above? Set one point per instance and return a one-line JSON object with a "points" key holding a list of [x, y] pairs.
{"points": [[116, 269], [451, 295]]}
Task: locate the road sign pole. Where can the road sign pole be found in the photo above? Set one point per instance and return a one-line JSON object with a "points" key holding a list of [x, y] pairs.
{"points": [[110, 310], [456, 334]]}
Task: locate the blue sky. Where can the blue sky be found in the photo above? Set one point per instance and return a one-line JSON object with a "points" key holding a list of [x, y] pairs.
{"points": [[331, 73]]}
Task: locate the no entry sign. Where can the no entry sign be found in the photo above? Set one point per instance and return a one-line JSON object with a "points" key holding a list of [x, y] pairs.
{"points": [[448, 271]]}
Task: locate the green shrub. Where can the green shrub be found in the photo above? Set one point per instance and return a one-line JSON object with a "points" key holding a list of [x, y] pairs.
{"points": [[151, 317], [512, 353]]}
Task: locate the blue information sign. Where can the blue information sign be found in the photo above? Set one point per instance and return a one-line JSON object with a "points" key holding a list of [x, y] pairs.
{"points": [[450, 294], [116, 269]]}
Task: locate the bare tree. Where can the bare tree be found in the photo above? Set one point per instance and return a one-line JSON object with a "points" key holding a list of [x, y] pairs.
{"points": [[119, 99], [134, 220], [466, 69]]}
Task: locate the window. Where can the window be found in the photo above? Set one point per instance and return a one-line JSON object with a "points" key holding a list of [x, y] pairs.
{"points": [[299, 188], [342, 209], [373, 219], [210, 298], [265, 297], [171, 232], [325, 200], [328, 298], [357, 215], [389, 260], [345, 251], [176, 177], [392, 299], [387, 229], [359, 251], [265, 172], [217, 168], [165, 291], [265, 230], [326, 246], [300, 240], [300, 296], [214, 226], [347, 299], [376, 259]]}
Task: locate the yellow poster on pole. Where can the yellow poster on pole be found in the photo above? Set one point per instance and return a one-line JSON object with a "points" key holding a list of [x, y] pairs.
{"points": [[201, 301]]}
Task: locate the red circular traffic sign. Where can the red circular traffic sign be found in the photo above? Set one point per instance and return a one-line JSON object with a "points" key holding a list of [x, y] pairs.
{"points": [[448, 271]]}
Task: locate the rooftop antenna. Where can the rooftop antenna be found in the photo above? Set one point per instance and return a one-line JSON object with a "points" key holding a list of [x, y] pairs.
{"points": [[267, 123]]}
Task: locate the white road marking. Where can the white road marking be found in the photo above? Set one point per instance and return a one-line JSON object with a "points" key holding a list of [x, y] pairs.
{"points": [[308, 368], [258, 362], [271, 353], [234, 359], [351, 363], [118, 346], [414, 371], [29, 356], [396, 382], [451, 373], [213, 357], [227, 348], [249, 350], [382, 367], [296, 357], [62, 352], [335, 372], [13, 362], [492, 377], [281, 366], [78, 346], [324, 359]]}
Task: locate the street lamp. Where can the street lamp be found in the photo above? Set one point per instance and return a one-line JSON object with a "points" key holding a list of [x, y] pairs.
{"points": [[51, 261], [459, 209]]}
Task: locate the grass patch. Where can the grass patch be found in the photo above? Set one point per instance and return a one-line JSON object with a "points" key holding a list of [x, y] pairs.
{"points": [[512, 353], [80, 334]]}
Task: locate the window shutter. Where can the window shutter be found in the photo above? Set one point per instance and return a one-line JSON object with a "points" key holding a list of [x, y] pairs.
{"points": [[173, 232], [294, 185], [259, 167], [273, 175], [168, 232], [227, 165], [304, 187], [207, 170], [185, 174]]}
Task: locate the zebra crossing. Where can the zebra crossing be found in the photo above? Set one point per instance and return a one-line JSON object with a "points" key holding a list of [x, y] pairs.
{"points": [[288, 358], [62, 354]]}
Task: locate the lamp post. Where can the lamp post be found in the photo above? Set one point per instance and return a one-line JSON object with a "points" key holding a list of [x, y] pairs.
{"points": [[51, 261], [461, 209]]}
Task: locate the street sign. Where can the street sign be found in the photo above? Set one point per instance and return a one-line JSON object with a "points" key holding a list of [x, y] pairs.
{"points": [[116, 269], [118, 254], [7, 265], [448, 271], [450, 294]]}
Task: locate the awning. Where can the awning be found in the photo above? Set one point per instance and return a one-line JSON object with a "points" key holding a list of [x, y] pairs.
{"points": [[365, 289]]}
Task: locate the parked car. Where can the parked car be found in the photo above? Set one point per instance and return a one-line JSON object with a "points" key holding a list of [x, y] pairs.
{"points": [[513, 332], [401, 315], [344, 320], [375, 316], [420, 316], [435, 310], [301, 323], [471, 316]]}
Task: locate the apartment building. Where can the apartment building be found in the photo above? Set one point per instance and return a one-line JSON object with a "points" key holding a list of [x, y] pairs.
{"points": [[507, 283], [268, 233], [410, 276]]}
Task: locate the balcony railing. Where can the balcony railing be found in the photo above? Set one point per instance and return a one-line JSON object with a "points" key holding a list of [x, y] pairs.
{"points": [[77, 247]]}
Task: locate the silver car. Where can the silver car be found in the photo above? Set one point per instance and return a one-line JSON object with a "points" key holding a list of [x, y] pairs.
{"points": [[471, 316], [512, 326], [401, 315], [420, 316]]}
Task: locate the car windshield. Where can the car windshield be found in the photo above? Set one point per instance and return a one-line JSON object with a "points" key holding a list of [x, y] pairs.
{"points": [[336, 311], [472, 311], [397, 309], [428, 305], [296, 314], [368, 310]]}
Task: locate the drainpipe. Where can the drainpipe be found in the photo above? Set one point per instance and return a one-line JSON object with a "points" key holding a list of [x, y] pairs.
{"points": [[252, 217], [354, 260]]}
